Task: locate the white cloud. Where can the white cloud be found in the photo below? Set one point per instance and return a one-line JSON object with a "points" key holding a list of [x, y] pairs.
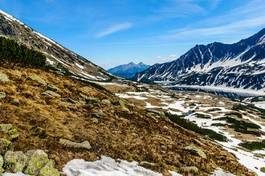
{"points": [[236, 22], [114, 29], [218, 30]]}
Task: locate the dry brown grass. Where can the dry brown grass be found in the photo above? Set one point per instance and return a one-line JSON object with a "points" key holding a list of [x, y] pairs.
{"points": [[135, 135]]}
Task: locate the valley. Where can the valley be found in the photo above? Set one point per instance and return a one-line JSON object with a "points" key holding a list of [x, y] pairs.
{"points": [[61, 114]]}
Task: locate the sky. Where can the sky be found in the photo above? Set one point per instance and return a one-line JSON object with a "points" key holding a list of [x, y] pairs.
{"points": [[113, 32]]}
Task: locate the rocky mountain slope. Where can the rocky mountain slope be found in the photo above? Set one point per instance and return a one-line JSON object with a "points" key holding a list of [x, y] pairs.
{"points": [[52, 123], [128, 70], [238, 65], [70, 119], [63, 59]]}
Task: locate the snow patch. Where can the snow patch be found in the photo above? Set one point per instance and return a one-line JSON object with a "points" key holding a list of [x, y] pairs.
{"points": [[16, 174], [106, 166]]}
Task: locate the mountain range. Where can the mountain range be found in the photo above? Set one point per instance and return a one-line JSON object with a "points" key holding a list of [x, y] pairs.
{"points": [[128, 70], [63, 115], [238, 65], [59, 57]]}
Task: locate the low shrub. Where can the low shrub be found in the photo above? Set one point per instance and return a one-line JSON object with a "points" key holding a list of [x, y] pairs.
{"points": [[13, 54], [193, 127], [256, 145]]}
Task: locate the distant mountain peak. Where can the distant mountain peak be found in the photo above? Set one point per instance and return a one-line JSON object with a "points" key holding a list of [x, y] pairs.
{"points": [[128, 70]]}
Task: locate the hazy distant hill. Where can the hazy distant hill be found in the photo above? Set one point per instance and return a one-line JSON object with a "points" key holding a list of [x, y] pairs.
{"points": [[128, 70]]}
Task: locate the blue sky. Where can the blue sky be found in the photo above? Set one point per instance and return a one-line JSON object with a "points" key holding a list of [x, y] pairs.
{"points": [[112, 32]]}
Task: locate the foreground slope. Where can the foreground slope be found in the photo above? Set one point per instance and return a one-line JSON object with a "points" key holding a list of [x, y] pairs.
{"points": [[48, 109], [65, 60], [237, 126], [238, 65]]}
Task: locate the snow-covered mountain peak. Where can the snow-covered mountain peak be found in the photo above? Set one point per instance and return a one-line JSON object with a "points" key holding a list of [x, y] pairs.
{"points": [[238, 65]]}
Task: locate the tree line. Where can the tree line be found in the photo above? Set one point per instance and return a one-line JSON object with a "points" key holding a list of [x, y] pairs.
{"points": [[18, 54]]}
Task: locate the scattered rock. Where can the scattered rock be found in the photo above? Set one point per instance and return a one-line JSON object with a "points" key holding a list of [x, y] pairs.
{"points": [[15, 161], [5, 145], [38, 79], [196, 150], [83, 145], [9, 131], [98, 114], [95, 120], [2, 95], [4, 78], [147, 164], [106, 102], [189, 170], [123, 107], [37, 159], [90, 99], [51, 94]]}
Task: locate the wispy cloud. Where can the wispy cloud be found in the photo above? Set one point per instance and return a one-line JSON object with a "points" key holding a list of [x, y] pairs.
{"points": [[218, 30], [236, 21], [114, 29]]}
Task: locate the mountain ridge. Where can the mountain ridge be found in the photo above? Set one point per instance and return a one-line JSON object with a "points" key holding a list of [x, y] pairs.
{"points": [[58, 56], [215, 64], [128, 70]]}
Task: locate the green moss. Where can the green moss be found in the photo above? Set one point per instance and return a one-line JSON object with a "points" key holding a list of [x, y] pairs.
{"points": [[49, 170], [5, 145]]}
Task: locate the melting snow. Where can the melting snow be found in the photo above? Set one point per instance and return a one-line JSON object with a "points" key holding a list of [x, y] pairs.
{"points": [[79, 66], [106, 167], [17, 174], [260, 104], [10, 18], [131, 96]]}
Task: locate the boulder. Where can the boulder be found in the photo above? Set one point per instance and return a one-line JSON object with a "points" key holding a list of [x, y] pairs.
{"points": [[189, 170], [37, 159], [5, 145], [38, 79], [106, 102], [2, 95], [49, 170], [3, 78], [83, 145], [196, 151], [15, 161], [91, 100], [51, 94]]}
